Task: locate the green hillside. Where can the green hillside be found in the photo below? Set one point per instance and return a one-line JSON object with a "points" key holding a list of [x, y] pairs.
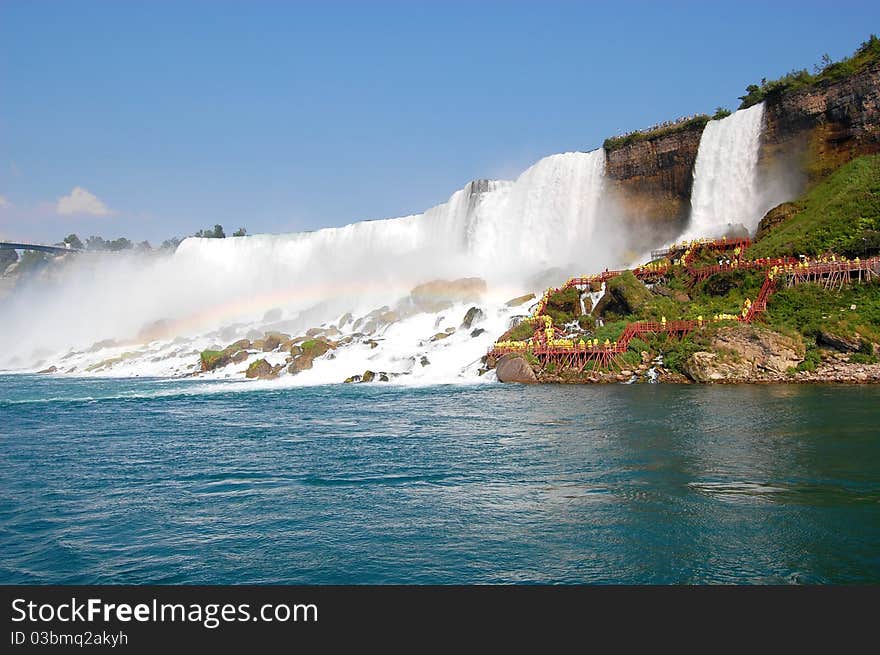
{"points": [[839, 215]]}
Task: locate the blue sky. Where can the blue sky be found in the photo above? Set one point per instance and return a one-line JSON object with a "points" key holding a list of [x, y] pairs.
{"points": [[153, 119]]}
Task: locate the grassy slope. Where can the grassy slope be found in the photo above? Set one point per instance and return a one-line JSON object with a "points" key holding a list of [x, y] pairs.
{"points": [[841, 215]]}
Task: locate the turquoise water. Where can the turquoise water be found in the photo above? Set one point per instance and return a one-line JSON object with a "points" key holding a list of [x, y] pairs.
{"points": [[150, 481]]}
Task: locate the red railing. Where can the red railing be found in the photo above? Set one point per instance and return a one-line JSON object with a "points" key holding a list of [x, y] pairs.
{"points": [[774, 267]]}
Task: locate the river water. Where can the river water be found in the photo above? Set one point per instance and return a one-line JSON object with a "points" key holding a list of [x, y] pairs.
{"points": [[158, 481]]}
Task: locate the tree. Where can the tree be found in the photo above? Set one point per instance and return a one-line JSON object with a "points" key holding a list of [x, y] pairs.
{"points": [[96, 243], [240, 232], [144, 246], [119, 244], [170, 244], [73, 241], [216, 233]]}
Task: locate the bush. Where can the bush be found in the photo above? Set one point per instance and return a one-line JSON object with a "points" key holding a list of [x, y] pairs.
{"points": [[862, 358], [812, 359], [867, 53], [617, 142]]}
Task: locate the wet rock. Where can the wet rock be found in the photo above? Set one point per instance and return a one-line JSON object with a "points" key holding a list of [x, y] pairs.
{"points": [[368, 376], [437, 295], [263, 370], [477, 332], [775, 217], [513, 367], [239, 357], [473, 315], [272, 315], [439, 336], [839, 342], [254, 334], [211, 360], [520, 300], [51, 369], [345, 320], [424, 361], [299, 364], [101, 345]]}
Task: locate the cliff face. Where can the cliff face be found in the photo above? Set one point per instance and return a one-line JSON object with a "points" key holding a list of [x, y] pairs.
{"points": [[807, 134], [823, 127], [651, 180]]}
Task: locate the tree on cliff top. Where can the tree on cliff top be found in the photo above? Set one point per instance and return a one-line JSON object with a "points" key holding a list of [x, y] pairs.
{"points": [[216, 233]]}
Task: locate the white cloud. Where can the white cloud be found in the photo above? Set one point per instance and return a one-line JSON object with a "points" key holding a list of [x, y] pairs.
{"points": [[81, 201], [4, 202]]}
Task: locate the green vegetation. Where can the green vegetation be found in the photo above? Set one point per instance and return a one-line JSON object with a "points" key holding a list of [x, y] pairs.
{"points": [[840, 215], [519, 332], [828, 71], [721, 112], [617, 142], [810, 309], [564, 306], [211, 359], [812, 359]]}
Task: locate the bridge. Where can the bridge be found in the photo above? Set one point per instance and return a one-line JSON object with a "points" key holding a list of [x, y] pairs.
{"points": [[52, 250]]}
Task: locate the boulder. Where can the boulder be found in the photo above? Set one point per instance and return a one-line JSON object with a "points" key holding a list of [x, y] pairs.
{"points": [[744, 353], [300, 363], [765, 349], [477, 332], [316, 347], [368, 376], [473, 315], [513, 367], [51, 369], [241, 344], [424, 361], [839, 342], [711, 367], [775, 217], [211, 360], [263, 370], [520, 300], [439, 336], [436, 295], [627, 292]]}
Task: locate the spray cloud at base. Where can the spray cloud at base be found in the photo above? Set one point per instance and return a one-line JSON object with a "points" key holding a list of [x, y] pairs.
{"points": [[143, 314]]}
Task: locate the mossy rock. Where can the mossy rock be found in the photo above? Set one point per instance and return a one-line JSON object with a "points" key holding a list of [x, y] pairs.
{"points": [[628, 292], [520, 300], [262, 369], [213, 359], [314, 348]]}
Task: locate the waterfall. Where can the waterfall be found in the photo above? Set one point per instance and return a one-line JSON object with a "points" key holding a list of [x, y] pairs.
{"points": [[213, 290], [726, 188]]}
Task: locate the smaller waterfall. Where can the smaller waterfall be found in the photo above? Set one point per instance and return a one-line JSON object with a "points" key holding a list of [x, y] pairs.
{"points": [[726, 190]]}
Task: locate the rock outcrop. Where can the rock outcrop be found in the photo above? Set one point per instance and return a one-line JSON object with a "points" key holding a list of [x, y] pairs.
{"points": [[514, 368], [651, 181], [263, 370], [473, 315], [624, 294], [823, 126], [744, 353], [437, 295]]}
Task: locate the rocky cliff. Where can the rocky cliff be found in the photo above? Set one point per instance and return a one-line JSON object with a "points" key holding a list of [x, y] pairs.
{"points": [[651, 180], [817, 129], [808, 133]]}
